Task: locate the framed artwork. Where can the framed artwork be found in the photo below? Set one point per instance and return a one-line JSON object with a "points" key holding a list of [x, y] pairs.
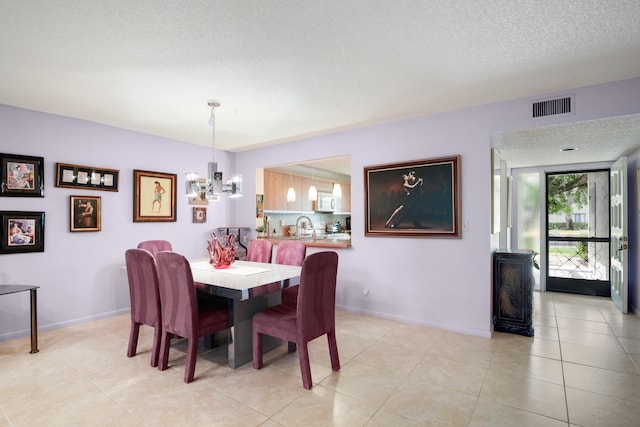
{"points": [[420, 198], [85, 213], [199, 215], [154, 196], [22, 232], [89, 177], [22, 176]]}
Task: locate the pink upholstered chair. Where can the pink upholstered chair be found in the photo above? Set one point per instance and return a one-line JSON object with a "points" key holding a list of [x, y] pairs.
{"points": [[259, 250], [145, 299], [313, 315], [155, 246], [290, 252], [182, 313]]}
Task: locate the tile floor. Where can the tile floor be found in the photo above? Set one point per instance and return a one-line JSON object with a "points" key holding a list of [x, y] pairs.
{"points": [[581, 369]]}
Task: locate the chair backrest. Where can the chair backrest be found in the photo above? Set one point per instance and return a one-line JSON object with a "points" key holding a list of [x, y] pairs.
{"points": [[177, 294], [259, 250], [143, 286], [317, 294], [291, 252], [155, 246]]}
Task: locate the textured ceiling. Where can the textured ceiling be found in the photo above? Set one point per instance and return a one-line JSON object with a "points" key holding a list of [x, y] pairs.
{"points": [[288, 69], [593, 140]]}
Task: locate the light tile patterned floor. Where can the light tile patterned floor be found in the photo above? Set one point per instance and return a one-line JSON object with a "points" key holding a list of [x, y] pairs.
{"points": [[581, 369]]}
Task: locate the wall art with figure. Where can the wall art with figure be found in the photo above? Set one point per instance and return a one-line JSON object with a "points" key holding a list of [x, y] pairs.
{"points": [[420, 198]]}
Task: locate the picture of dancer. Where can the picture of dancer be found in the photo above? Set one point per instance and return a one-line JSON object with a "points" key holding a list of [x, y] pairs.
{"points": [[418, 198], [154, 196], [407, 208], [21, 232], [158, 191], [20, 176]]}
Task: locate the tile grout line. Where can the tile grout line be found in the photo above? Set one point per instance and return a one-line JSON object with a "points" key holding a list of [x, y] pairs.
{"points": [[564, 380]]}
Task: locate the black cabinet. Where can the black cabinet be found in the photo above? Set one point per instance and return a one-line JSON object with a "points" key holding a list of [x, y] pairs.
{"points": [[513, 292]]}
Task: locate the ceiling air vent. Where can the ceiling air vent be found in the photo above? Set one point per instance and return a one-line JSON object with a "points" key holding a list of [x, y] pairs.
{"points": [[552, 107]]}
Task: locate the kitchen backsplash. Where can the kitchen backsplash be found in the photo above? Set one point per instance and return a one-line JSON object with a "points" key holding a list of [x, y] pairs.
{"points": [[281, 221]]}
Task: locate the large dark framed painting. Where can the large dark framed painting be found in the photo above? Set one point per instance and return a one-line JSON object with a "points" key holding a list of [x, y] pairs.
{"points": [[22, 176], [22, 231], [154, 196], [419, 198]]}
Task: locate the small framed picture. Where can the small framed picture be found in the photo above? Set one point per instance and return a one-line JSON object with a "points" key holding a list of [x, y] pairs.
{"points": [[21, 232], [199, 215], [22, 176], [85, 213]]}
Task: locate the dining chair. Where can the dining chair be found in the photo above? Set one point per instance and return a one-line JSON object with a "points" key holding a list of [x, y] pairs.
{"points": [[312, 316], [145, 299], [155, 246], [290, 252], [183, 314], [259, 250]]}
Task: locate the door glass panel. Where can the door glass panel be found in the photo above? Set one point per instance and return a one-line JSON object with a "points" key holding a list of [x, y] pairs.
{"points": [[528, 217], [578, 227]]}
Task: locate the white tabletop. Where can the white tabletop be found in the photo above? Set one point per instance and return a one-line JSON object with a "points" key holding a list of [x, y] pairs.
{"points": [[243, 279]]}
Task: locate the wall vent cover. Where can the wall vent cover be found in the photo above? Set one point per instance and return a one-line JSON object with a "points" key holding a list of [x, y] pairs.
{"points": [[552, 107]]}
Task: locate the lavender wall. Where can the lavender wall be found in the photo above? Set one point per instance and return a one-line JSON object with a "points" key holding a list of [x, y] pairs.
{"points": [[445, 283], [439, 282], [80, 273]]}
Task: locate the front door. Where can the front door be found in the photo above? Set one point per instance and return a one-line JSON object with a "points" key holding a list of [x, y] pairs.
{"points": [[619, 236], [577, 234]]}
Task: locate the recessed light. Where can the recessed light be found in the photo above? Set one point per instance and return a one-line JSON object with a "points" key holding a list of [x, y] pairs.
{"points": [[568, 149]]}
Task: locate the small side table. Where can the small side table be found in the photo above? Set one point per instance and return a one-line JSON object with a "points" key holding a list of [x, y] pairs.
{"points": [[12, 289]]}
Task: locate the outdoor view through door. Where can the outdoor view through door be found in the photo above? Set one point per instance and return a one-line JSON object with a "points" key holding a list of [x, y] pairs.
{"points": [[578, 232]]}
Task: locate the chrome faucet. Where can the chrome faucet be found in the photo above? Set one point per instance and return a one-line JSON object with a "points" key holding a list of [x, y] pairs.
{"points": [[298, 228]]}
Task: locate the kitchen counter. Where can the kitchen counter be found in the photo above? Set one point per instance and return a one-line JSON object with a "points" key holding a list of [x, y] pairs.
{"points": [[319, 243]]}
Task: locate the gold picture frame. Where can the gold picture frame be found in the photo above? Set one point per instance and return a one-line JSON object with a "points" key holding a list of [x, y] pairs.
{"points": [[85, 213], [154, 196], [420, 198]]}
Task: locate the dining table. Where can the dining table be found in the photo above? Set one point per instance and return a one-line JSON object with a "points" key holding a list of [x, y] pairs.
{"points": [[249, 287]]}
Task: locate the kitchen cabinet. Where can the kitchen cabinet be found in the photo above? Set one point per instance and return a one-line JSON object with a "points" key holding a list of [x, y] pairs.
{"points": [[276, 185], [344, 204], [513, 292]]}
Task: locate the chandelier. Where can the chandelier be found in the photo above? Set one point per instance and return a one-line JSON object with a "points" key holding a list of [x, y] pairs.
{"points": [[213, 185]]}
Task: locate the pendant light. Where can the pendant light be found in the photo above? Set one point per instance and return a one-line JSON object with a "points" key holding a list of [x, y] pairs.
{"points": [[291, 192], [313, 191], [213, 186], [336, 193]]}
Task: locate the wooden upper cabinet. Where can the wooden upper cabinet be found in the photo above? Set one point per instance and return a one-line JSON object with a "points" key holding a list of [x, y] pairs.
{"points": [[275, 198], [345, 204], [276, 185]]}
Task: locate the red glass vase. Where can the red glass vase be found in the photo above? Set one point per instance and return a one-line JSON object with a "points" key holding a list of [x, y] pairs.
{"points": [[222, 252]]}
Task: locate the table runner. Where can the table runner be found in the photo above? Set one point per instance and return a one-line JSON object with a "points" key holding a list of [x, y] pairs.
{"points": [[239, 270]]}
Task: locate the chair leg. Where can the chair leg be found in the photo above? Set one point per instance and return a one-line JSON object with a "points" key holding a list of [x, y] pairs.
{"points": [[192, 355], [291, 347], [155, 349], [133, 339], [257, 349], [305, 367], [164, 351], [333, 350]]}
